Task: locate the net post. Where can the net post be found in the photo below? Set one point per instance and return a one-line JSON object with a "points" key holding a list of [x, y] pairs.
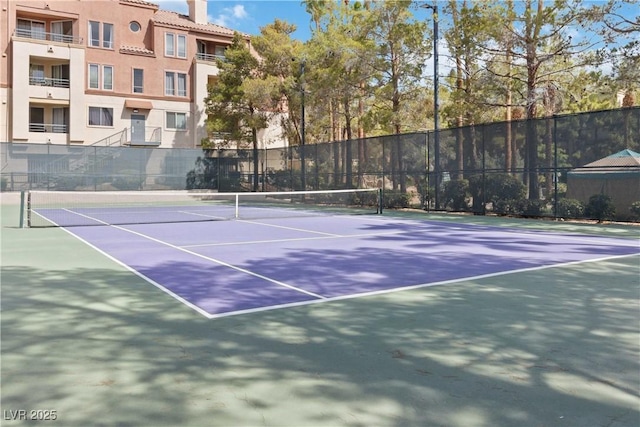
{"points": [[237, 206], [22, 207], [380, 201]]}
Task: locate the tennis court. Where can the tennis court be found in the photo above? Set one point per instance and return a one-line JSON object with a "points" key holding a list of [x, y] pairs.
{"points": [[316, 318]]}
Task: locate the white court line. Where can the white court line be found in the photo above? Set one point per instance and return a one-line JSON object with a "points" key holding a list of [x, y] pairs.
{"points": [[293, 239], [203, 215], [290, 228], [412, 287], [217, 261], [321, 299], [484, 228]]}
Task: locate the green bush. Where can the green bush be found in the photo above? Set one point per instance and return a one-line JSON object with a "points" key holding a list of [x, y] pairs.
{"points": [[396, 199], [503, 191], [507, 207], [600, 207], [455, 194], [531, 208], [570, 208]]}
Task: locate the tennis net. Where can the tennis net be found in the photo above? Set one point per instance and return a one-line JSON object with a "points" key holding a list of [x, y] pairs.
{"points": [[82, 208]]}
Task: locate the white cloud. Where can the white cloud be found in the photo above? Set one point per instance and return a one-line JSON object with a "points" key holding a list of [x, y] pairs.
{"points": [[239, 12], [230, 16]]}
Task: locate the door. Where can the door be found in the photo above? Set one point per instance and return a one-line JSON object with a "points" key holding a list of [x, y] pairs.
{"points": [[137, 129]]}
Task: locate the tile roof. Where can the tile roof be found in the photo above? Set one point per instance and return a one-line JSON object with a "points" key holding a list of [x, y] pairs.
{"points": [[140, 2], [181, 21], [133, 50]]}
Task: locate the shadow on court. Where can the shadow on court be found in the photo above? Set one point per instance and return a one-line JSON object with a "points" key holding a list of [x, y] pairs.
{"points": [[99, 345]]}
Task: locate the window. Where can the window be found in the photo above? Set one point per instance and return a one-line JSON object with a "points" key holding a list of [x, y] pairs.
{"points": [[134, 26], [177, 121], [60, 74], [94, 76], [182, 84], [99, 116], [138, 80], [174, 80], [36, 119], [182, 46], [36, 74], [107, 36], [107, 77], [31, 29], [168, 83], [169, 48], [94, 34], [175, 45], [62, 31], [60, 120]]}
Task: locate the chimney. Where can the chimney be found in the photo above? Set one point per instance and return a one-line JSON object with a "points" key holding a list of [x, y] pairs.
{"points": [[198, 11]]}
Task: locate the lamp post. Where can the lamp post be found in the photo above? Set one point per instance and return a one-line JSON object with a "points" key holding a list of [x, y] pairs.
{"points": [[436, 124]]}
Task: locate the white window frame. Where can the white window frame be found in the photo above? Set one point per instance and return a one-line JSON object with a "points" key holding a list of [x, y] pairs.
{"points": [[108, 44], [175, 45], [104, 77], [175, 89], [101, 111], [133, 81], [101, 83], [97, 79], [175, 115], [101, 41], [34, 32], [58, 33], [93, 42], [181, 51], [167, 45]]}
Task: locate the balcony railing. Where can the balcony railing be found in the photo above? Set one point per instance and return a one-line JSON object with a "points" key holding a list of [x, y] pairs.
{"points": [[47, 128], [47, 81], [208, 57], [52, 37]]}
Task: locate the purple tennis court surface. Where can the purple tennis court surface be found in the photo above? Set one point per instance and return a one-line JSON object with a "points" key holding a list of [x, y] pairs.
{"points": [[230, 267]]}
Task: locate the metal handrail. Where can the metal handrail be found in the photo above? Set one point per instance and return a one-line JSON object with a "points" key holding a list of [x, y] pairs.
{"points": [[209, 57], [48, 81], [41, 35], [47, 127]]}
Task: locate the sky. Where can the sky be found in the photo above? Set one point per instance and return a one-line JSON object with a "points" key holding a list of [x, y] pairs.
{"points": [[248, 16]]}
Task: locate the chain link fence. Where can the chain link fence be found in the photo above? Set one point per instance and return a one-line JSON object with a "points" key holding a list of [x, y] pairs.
{"points": [[571, 166]]}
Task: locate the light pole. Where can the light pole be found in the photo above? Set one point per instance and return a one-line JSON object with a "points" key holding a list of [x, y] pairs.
{"points": [[302, 128], [436, 106]]}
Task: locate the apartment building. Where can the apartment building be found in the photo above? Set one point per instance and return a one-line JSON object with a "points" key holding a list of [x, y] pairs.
{"points": [[108, 72]]}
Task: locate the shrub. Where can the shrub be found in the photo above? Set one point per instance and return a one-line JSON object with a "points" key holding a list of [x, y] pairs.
{"points": [[455, 194], [531, 208], [503, 190], [600, 207], [396, 199], [570, 208]]}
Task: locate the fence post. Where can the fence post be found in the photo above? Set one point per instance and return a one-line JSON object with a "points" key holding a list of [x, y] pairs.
{"points": [[22, 192], [555, 167]]}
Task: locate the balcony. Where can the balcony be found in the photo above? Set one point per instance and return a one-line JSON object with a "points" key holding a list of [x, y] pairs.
{"points": [[46, 37], [49, 82], [47, 128], [209, 57]]}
